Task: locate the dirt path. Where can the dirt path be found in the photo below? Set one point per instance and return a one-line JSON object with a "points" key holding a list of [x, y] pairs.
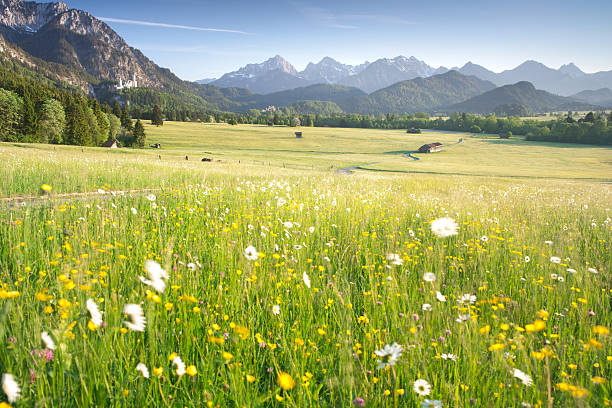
{"points": [[21, 201]]}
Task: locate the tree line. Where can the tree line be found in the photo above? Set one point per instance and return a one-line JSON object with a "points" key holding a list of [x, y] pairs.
{"points": [[33, 111]]}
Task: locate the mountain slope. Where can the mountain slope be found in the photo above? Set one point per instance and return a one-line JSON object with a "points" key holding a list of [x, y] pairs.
{"points": [[522, 93], [419, 94], [272, 75], [601, 97], [385, 72], [330, 71]]}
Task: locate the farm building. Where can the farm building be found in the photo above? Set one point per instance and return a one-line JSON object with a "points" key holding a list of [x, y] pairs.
{"points": [[298, 135], [413, 130], [504, 136], [112, 144], [430, 147]]}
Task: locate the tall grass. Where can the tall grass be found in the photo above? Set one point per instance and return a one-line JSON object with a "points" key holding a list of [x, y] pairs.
{"points": [[217, 313]]}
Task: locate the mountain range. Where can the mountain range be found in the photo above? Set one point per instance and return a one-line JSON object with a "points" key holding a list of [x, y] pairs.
{"points": [[277, 74], [71, 48]]}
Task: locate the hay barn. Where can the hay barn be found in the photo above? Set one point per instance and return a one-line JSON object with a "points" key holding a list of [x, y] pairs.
{"points": [[430, 147]]}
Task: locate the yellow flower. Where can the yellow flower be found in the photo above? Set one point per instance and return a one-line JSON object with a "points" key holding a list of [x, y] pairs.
{"points": [[285, 381], [321, 332], [572, 366], [400, 391], [537, 326], [168, 306], [279, 398], [191, 370], [598, 380], [172, 356], [92, 326], [543, 314], [594, 343], [504, 326], [497, 346], [158, 371], [227, 356], [250, 378], [46, 188], [485, 330], [604, 331]]}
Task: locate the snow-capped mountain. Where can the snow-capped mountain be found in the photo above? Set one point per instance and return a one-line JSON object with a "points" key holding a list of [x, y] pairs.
{"points": [[385, 72], [273, 75], [330, 71]]}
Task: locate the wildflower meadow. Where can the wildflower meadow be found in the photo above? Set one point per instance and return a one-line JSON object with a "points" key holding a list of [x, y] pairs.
{"points": [[297, 289]]}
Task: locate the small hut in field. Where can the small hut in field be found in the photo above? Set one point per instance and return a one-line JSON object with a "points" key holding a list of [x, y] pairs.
{"points": [[430, 147], [504, 136], [298, 135], [111, 144]]}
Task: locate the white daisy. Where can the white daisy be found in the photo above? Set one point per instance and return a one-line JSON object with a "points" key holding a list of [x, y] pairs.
{"points": [[426, 307], [463, 318], [395, 259], [288, 224], [134, 211], [180, 366], [440, 296], [311, 229], [94, 312], [449, 356], [422, 388], [429, 277], [306, 279], [389, 355], [137, 320], [142, 369], [47, 340], [156, 276], [467, 298], [525, 378], [251, 253], [10, 388], [444, 227], [593, 270], [276, 310], [555, 259]]}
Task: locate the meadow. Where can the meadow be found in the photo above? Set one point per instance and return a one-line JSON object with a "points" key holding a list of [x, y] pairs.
{"points": [[478, 276]]}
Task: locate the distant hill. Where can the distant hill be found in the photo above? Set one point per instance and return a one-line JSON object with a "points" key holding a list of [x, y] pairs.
{"points": [[567, 80], [319, 92], [325, 108], [522, 93], [601, 97], [419, 94]]}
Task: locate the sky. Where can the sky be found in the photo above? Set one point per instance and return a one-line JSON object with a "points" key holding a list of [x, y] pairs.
{"points": [[205, 39]]}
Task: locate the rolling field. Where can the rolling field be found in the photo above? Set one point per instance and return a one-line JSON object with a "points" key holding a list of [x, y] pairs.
{"points": [[26, 166], [477, 276]]}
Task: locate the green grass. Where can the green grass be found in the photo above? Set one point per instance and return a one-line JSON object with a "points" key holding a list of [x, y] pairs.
{"points": [[336, 229], [26, 167]]}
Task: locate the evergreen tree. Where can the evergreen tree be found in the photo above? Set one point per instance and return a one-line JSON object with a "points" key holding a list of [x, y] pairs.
{"points": [[126, 121], [102, 123], [77, 127], [157, 118], [139, 134], [29, 125], [117, 109]]}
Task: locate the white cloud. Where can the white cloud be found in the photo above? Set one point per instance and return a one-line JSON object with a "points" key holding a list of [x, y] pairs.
{"points": [[164, 25]]}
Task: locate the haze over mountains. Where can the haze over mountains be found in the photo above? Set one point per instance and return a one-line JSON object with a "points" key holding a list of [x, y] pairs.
{"points": [[369, 77], [71, 47]]}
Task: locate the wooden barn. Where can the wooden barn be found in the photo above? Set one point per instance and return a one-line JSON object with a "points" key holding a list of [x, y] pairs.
{"points": [[430, 147], [298, 135], [111, 144]]}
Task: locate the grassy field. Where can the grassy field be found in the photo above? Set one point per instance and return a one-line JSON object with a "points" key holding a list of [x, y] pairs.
{"points": [[287, 286], [25, 166]]}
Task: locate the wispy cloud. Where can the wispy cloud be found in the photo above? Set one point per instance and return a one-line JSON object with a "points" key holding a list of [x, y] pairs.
{"points": [[378, 18], [164, 25], [324, 17]]}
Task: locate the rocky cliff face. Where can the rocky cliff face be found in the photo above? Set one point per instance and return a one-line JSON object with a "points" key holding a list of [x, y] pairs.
{"points": [[75, 39], [28, 17]]}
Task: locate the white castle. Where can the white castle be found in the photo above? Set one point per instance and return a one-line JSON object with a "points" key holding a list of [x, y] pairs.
{"points": [[128, 84]]}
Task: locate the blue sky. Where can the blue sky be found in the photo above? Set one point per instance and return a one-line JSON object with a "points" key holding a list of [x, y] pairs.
{"points": [[199, 39]]}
